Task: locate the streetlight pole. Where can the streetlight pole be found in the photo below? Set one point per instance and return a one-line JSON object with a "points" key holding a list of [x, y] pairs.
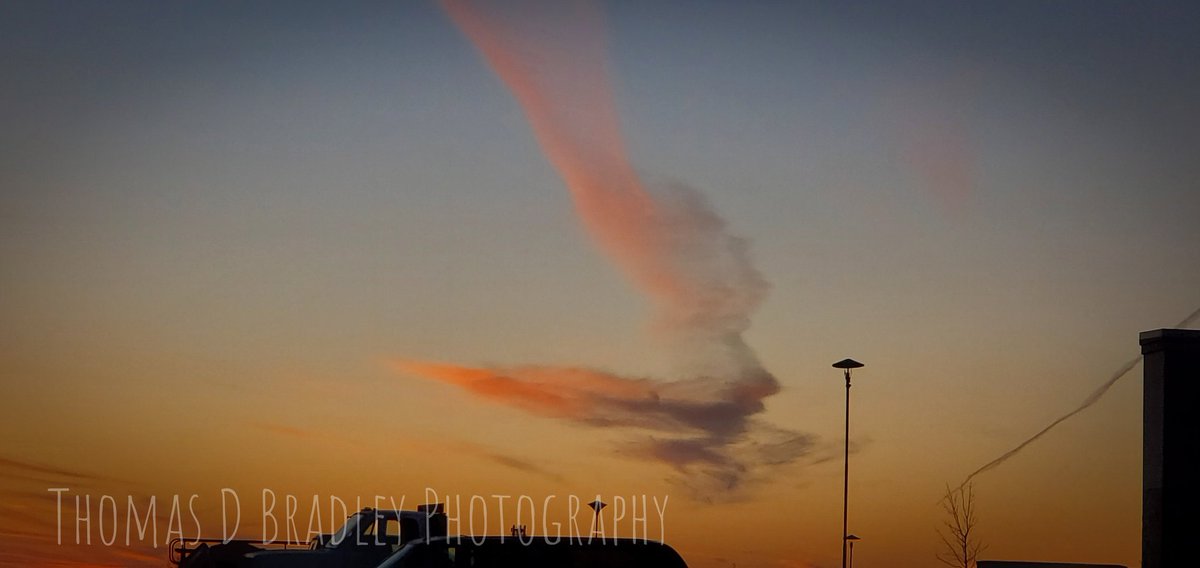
{"points": [[846, 365]]}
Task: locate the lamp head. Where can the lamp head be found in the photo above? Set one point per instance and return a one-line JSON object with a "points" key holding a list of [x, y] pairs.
{"points": [[847, 364]]}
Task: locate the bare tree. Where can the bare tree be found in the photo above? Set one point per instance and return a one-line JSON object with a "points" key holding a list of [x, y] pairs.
{"points": [[960, 542]]}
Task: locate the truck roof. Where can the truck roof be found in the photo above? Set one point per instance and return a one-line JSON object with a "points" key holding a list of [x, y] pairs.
{"points": [[535, 552]]}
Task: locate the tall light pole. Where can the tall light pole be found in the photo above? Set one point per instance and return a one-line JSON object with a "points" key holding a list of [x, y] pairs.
{"points": [[846, 365]]}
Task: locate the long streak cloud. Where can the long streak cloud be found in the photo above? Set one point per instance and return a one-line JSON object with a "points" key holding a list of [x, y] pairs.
{"points": [[1090, 400], [666, 240]]}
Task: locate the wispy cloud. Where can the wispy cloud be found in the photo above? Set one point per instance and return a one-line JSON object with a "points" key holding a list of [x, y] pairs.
{"points": [[283, 429], [703, 428], [519, 464], [26, 470], [667, 241]]}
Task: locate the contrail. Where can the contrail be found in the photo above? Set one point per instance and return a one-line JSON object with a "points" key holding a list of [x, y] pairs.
{"points": [[1090, 400]]}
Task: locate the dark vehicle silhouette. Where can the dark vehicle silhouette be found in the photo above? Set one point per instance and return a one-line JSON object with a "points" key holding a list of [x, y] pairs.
{"points": [[367, 538], [534, 552]]}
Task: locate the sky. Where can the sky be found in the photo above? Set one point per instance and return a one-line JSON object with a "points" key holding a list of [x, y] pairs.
{"points": [[318, 248]]}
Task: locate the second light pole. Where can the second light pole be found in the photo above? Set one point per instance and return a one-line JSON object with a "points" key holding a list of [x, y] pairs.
{"points": [[852, 539], [846, 365]]}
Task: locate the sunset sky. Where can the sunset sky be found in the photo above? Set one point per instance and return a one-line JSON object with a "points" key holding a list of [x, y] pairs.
{"points": [[375, 248]]}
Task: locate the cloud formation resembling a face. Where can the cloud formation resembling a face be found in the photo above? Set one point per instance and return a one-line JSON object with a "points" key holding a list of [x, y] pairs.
{"points": [[665, 239]]}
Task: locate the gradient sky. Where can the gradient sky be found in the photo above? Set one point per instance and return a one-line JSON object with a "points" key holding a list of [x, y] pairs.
{"points": [[222, 222]]}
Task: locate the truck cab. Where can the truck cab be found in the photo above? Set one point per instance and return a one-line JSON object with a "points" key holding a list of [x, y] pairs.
{"points": [[367, 538]]}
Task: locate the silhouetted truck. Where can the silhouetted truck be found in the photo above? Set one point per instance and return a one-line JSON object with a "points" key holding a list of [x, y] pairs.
{"points": [[534, 552], [376, 538], [367, 538]]}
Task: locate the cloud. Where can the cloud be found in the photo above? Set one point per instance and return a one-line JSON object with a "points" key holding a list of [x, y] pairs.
{"points": [[701, 427], [666, 239], [519, 464], [597, 398], [25, 471]]}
